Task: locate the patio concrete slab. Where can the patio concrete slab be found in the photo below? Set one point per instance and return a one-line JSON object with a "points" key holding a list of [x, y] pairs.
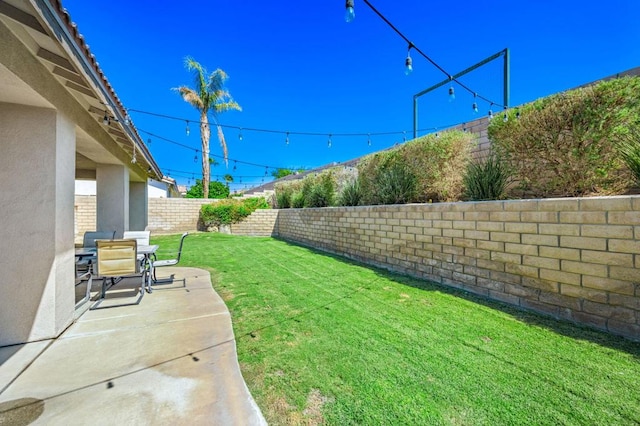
{"points": [[170, 359]]}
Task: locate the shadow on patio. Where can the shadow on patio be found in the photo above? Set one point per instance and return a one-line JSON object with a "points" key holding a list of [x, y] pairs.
{"points": [[172, 358]]}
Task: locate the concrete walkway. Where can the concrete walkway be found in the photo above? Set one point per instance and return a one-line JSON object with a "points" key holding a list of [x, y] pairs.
{"points": [[169, 360]]}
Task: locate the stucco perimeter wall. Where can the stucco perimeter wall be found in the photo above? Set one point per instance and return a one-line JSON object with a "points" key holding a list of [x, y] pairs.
{"points": [[575, 259], [174, 215]]}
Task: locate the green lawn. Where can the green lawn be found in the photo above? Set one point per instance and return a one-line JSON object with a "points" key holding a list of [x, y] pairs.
{"points": [[324, 340]]}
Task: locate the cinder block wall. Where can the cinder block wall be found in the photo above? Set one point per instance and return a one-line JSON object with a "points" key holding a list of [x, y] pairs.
{"points": [[259, 223], [575, 259], [85, 216], [174, 215]]}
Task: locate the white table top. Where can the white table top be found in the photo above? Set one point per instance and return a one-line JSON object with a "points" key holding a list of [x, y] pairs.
{"points": [[91, 251]]}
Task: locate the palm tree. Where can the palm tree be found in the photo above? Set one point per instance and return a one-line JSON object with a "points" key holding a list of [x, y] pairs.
{"points": [[209, 96]]}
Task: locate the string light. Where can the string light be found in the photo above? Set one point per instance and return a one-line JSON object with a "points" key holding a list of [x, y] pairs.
{"points": [[187, 129], [285, 132], [266, 171], [369, 139], [518, 114], [287, 139], [404, 136], [475, 104], [350, 13], [106, 120], [490, 112], [149, 141], [329, 141], [127, 120], [452, 92], [408, 63], [505, 117], [240, 134], [235, 166], [195, 158], [134, 160]]}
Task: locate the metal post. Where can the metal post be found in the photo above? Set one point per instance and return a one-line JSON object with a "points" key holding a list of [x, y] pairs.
{"points": [[415, 117], [507, 78]]}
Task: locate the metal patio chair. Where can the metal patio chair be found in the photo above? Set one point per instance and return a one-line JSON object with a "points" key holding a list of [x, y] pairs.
{"points": [[168, 262], [117, 259]]}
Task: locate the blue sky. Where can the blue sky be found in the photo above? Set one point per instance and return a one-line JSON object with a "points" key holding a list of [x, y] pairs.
{"points": [[299, 67]]}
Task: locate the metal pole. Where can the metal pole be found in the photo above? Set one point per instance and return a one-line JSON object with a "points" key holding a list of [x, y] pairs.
{"points": [[507, 78], [415, 117]]}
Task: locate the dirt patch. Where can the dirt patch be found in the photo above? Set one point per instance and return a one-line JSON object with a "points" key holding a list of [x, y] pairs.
{"points": [[313, 410]]}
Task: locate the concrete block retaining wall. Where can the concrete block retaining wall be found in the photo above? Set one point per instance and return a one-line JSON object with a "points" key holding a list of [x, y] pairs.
{"points": [[260, 223], [574, 259]]}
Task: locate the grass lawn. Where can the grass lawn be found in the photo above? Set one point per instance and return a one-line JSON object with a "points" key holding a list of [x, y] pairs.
{"points": [[324, 340]]}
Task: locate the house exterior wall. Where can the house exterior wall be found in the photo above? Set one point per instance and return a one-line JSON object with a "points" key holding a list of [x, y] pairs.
{"points": [[36, 239], [574, 259]]}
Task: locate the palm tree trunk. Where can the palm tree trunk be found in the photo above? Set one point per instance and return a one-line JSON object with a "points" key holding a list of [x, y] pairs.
{"points": [[205, 134]]}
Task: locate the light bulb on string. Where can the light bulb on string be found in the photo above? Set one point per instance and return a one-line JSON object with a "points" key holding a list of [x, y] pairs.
{"points": [[266, 171], [505, 117], [369, 139], [452, 92], [127, 120], [475, 104], [517, 114], [187, 128], [350, 13], [195, 158], [149, 141], [286, 141], [408, 62], [404, 136], [105, 119], [490, 111], [329, 141], [134, 160], [240, 135], [235, 166]]}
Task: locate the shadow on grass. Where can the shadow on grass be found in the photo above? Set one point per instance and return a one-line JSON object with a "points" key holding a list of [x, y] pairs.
{"points": [[559, 326]]}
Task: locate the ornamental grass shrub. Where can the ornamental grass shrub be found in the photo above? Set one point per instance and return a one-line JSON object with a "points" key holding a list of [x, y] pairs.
{"points": [[226, 212], [486, 179], [351, 194], [565, 144], [629, 149], [426, 169]]}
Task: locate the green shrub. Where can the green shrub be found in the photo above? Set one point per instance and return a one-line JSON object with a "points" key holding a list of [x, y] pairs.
{"points": [[316, 189], [434, 165], [486, 179], [351, 194], [216, 190], [321, 191], [564, 145], [283, 199], [226, 212], [396, 184], [297, 200]]}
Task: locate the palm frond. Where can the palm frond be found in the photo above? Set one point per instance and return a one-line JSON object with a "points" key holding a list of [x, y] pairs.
{"points": [[223, 144], [227, 106], [199, 73], [190, 96]]}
